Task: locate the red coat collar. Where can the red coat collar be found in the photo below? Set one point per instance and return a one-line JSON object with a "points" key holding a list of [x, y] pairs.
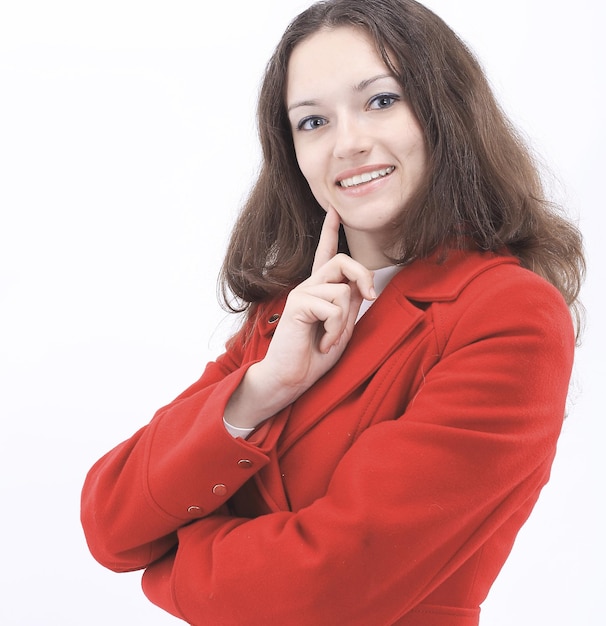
{"points": [[441, 279]]}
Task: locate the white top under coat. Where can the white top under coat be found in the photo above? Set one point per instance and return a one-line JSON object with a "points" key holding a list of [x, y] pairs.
{"points": [[382, 277]]}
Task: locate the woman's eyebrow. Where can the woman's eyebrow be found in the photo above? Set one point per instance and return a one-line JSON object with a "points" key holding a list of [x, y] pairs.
{"points": [[361, 86], [303, 103], [365, 83]]}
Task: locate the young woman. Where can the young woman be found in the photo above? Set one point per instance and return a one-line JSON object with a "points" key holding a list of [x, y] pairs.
{"points": [[370, 443]]}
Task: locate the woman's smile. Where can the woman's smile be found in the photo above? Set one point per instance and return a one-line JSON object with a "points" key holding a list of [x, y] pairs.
{"points": [[364, 176]]}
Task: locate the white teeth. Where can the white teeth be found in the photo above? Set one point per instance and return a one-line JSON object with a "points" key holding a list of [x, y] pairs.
{"points": [[364, 178]]}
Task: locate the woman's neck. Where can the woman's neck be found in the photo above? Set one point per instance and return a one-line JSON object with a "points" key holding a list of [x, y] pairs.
{"points": [[365, 249]]}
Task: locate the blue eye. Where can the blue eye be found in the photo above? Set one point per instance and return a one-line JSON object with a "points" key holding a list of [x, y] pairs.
{"points": [[310, 123], [383, 101]]}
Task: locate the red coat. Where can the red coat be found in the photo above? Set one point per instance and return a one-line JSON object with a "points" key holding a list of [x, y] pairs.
{"points": [[389, 493]]}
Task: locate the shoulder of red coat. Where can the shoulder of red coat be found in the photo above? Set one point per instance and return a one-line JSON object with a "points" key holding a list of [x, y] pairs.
{"points": [[443, 276]]}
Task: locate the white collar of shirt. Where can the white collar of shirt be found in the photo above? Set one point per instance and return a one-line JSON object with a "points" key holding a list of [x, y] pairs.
{"points": [[382, 277]]}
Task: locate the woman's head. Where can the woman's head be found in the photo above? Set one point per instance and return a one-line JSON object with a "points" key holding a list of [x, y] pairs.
{"points": [[445, 89], [481, 188]]}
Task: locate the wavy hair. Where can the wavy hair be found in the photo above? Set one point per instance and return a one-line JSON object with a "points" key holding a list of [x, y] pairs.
{"points": [[483, 189]]}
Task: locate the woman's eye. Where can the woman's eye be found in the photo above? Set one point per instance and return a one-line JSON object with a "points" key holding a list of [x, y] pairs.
{"points": [[311, 123], [383, 101]]}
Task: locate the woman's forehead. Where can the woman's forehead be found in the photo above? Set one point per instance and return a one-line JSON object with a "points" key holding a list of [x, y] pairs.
{"points": [[344, 55]]}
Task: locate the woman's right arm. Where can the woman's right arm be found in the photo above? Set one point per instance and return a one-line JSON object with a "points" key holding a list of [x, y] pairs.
{"points": [[184, 465]]}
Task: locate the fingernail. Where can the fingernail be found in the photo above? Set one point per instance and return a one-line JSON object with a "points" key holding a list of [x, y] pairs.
{"points": [[373, 293]]}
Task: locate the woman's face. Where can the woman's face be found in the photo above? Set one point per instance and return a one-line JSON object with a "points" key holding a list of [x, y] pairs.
{"points": [[357, 141]]}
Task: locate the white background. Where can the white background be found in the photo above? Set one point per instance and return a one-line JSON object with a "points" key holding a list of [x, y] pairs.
{"points": [[127, 143]]}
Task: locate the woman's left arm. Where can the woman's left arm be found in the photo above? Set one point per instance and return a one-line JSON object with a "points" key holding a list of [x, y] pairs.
{"points": [[414, 498]]}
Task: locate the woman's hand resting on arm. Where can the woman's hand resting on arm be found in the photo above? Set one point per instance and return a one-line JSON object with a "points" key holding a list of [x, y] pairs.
{"points": [[314, 330]]}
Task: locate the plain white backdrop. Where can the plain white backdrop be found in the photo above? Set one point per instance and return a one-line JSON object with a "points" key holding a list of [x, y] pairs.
{"points": [[127, 144]]}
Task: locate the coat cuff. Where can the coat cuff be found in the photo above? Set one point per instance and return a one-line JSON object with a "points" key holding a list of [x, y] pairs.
{"points": [[193, 464]]}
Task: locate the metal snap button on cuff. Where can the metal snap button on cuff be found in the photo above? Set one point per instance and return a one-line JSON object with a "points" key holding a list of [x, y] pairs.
{"points": [[245, 463], [220, 489], [193, 509]]}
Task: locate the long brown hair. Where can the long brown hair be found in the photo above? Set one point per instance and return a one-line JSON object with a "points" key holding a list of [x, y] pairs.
{"points": [[483, 188]]}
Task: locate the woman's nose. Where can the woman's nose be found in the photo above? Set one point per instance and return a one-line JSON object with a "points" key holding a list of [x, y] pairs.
{"points": [[351, 138]]}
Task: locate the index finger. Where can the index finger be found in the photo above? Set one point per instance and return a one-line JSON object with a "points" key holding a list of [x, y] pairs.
{"points": [[329, 239]]}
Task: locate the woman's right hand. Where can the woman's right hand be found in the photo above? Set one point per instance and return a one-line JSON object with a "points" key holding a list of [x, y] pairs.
{"points": [[314, 330]]}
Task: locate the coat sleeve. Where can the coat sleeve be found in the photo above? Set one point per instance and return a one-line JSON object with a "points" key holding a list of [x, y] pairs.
{"points": [[136, 497], [413, 498]]}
